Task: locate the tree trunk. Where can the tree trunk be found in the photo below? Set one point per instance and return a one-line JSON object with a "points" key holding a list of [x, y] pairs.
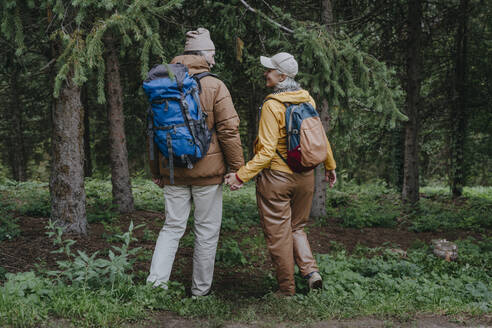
{"points": [[252, 122], [410, 193], [318, 207], [120, 175], [459, 117], [87, 135], [67, 161], [398, 136], [327, 15], [18, 158]]}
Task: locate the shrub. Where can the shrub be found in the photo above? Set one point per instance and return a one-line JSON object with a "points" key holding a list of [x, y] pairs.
{"points": [[89, 270], [9, 229], [229, 253], [365, 214]]}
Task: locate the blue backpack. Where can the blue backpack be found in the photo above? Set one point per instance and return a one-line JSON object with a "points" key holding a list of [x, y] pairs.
{"points": [[175, 120]]}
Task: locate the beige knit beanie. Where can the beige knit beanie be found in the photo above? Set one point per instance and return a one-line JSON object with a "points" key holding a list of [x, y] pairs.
{"points": [[198, 40]]}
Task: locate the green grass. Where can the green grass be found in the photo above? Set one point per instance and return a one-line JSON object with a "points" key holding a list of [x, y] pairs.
{"points": [[9, 228], [355, 206], [377, 205]]}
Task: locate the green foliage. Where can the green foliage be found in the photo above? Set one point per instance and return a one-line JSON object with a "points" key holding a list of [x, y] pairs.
{"points": [[187, 240], [239, 209], [347, 77], [93, 291], [390, 284], [437, 218], [89, 271], [101, 307], [3, 272], [123, 18], [229, 253], [360, 215], [358, 206], [21, 299], [381, 282], [11, 24], [333, 67], [377, 205], [149, 235], [89, 290], [96, 290], [372, 205], [147, 195], [254, 249], [81, 42], [439, 212], [28, 198], [9, 228]]}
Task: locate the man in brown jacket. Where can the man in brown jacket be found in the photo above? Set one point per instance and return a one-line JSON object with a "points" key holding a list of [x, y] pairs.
{"points": [[203, 183]]}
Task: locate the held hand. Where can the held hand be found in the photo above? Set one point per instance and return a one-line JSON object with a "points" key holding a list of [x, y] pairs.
{"points": [[232, 181], [331, 177], [157, 181]]}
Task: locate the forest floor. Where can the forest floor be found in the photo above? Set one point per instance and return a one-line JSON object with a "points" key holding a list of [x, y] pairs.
{"points": [[33, 249], [244, 275], [166, 319]]}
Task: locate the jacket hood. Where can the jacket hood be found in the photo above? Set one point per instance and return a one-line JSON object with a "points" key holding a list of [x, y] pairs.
{"points": [[196, 64], [293, 97]]}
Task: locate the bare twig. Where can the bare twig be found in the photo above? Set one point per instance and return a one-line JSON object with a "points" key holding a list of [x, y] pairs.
{"points": [[268, 18], [48, 65]]}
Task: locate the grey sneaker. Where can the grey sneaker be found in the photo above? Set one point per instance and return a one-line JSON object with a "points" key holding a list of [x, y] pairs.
{"points": [[315, 281]]}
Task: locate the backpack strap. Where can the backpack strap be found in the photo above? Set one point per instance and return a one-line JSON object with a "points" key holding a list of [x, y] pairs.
{"points": [[197, 78], [282, 157], [171, 158], [200, 76], [150, 133], [286, 105]]}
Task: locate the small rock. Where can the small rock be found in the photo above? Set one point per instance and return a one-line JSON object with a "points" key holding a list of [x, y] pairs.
{"points": [[445, 249]]}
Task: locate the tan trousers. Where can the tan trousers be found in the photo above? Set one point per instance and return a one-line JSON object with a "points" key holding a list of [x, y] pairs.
{"points": [[208, 217], [284, 203]]}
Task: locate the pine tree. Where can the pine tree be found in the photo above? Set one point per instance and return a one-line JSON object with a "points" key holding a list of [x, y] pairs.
{"points": [[459, 112], [115, 21], [410, 192], [120, 175], [318, 208], [77, 30]]}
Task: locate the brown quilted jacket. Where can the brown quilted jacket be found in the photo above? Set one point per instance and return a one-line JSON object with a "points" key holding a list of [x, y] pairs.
{"points": [[225, 152]]}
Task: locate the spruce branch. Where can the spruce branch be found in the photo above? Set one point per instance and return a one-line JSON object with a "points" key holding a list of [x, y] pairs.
{"points": [[253, 10]]}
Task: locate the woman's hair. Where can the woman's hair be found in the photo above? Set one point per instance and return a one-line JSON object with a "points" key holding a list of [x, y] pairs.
{"points": [[194, 52], [289, 84]]}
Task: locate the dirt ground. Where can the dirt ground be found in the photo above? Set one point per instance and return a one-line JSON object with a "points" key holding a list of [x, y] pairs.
{"points": [[169, 320], [33, 246], [165, 319]]}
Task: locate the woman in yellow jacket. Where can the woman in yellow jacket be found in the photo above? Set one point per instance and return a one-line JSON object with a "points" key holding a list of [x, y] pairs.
{"points": [[284, 198]]}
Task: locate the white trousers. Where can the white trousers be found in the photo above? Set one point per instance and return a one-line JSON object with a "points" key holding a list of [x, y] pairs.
{"points": [[208, 217]]}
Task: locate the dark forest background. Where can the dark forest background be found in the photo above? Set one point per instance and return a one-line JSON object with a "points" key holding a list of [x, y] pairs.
{"points": [[402, 86]]}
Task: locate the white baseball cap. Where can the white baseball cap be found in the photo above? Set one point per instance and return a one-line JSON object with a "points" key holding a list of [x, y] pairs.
{"points": [[284, 62]]}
